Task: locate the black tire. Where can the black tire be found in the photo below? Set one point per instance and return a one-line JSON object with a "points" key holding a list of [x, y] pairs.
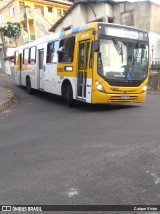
{"points": [[70, 100], [28, 86]]}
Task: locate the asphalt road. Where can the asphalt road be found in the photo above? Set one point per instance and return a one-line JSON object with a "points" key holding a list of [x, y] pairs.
{"points": [[51, 154]]}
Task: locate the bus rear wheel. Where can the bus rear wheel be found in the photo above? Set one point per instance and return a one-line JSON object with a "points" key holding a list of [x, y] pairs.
{"points": [[28, 86], [70, 100]]}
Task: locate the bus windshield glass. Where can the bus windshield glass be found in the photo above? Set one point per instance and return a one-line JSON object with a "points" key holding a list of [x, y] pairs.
{"points": [[122, 59]]}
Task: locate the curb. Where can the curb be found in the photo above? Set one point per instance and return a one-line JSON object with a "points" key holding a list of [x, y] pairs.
{"points": [[4, 106], [153, 93]]}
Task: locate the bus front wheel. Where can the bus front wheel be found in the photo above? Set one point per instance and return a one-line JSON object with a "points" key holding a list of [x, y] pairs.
{"points": [[70, 100]]}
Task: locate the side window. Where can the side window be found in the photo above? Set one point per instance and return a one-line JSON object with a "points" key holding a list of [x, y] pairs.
{"points": [[21, 5], [52, 55], [68, 52], [81, 56], [64, 12], [25, 56], [87, 53], [16, 54], [49, 9], [84, 50], [59, 13], [55, 56], [12, 11], [32, 56], [1, 19]]}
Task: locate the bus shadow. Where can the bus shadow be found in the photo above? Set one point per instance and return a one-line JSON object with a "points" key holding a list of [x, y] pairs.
{"points": [[48, 97], [105, 107], [79, 105]]}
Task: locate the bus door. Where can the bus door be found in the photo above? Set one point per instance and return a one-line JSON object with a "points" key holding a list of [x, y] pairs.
{"points": [[20, 69], [84, 83], [40, 68]]}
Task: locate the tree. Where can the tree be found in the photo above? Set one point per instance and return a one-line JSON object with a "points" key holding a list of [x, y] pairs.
{"points": [[12, 31]]}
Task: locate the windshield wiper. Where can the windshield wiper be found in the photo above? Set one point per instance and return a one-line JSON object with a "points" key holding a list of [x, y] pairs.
{"points": [[118, 48], [137, 51]]}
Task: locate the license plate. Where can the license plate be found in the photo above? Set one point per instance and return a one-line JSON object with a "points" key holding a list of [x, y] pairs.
{"points": [[124, 97]]}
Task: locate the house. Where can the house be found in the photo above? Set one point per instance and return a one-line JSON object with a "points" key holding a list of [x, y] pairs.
{"points": [[83, 12], [144, 15], [36, 18]]}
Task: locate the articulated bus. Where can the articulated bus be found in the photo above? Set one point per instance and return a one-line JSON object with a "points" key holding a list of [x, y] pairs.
{"points": [[100, 64]]}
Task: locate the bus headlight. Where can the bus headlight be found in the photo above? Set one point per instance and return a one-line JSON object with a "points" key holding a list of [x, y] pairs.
{"points": [[144, 89], [100, 87]]}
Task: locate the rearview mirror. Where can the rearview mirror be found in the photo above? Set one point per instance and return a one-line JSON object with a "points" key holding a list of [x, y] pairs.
{"points": [[96, 46]]}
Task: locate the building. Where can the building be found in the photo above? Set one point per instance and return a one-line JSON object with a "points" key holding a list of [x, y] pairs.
{"points": [[144, 15], [36, 18], [87, 11]]}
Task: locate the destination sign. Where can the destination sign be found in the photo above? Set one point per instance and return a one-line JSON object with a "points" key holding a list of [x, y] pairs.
{"points": [[120, 31], [124, 33]]}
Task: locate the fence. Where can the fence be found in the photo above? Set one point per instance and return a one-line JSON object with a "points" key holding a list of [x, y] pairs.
{"points": [[154, 82]]}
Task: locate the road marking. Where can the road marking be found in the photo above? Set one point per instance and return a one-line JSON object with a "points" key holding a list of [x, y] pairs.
{"points": [[72, 192], [4, 116], [156, 178]]}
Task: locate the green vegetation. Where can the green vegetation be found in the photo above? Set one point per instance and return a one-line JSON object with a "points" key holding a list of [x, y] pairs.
{"points": [[12, 31]]}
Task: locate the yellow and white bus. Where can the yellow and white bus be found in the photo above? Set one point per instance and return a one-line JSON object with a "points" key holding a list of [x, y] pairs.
{"points": [[100, 64]]}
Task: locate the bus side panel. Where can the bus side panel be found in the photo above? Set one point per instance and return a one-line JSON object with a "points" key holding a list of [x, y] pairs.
{"points": [[31, 72], [17, 76], [50, 80]]}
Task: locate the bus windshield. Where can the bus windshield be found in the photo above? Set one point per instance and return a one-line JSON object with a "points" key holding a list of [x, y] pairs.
{"points": [[123, 60]]}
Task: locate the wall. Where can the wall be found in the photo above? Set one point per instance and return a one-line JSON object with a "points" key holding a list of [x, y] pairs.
{"points": [[135, 14], [155, 18], [51, 17], [6, 12], [145, 16], [155, 45], [77, 17], [155, 30], [101, 10], [86, 15], [45, 21]]}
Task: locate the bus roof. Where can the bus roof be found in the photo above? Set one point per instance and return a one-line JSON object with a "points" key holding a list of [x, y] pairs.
{"points": [[71, 32], [59, 35]]}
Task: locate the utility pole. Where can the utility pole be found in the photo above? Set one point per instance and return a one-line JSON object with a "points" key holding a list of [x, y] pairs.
{"points": [[3, 56], [152, 60], [152, 51], [3, 45]]}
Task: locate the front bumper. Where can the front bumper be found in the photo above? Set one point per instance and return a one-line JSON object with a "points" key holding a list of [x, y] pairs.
{"points": [[104, 98]]}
